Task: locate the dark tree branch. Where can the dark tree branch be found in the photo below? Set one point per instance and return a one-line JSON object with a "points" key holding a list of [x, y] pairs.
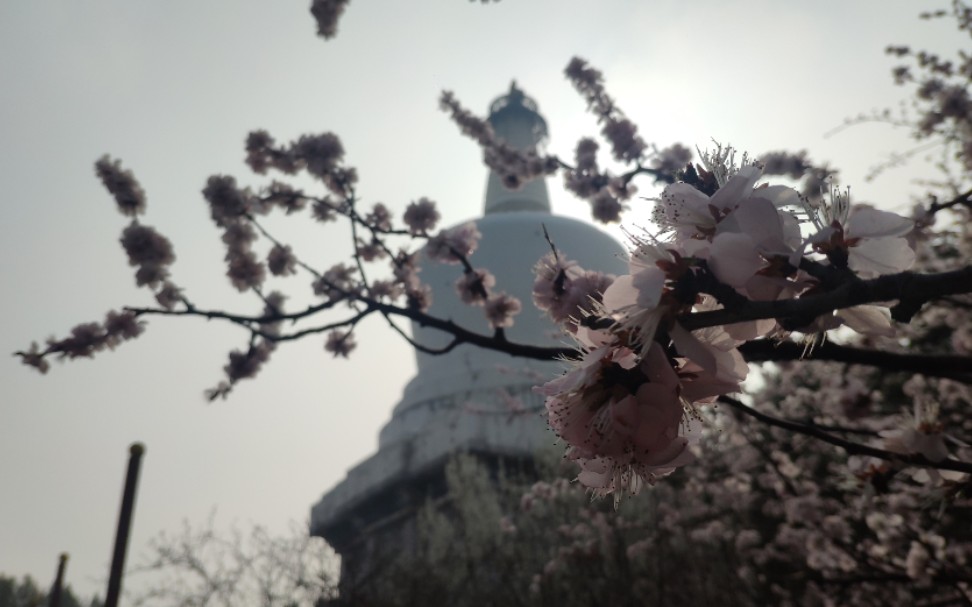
{"points": [[910, 289], [850, 447], [963, 199], [958, 368]]}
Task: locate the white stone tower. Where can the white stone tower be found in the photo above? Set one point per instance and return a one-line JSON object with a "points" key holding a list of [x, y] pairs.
{"points": [[466, 400]]}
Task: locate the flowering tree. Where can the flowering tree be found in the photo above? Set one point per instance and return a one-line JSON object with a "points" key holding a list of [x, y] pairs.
{"points": [[748, 263]]}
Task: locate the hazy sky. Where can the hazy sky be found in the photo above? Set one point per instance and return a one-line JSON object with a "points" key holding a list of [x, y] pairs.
{"points": [[173, 87]]}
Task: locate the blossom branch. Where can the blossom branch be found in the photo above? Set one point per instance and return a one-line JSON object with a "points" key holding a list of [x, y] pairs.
{"points": [[911, 289], [852, 448], [958, 368], [963, 199]]}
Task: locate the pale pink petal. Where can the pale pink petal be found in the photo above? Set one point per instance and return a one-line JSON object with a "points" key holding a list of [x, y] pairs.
{"points": [[657, 369], [596, 473], [649, 283], [692, 349], [738, 187], [706, 387], [726, 364], [868, 320], [779, 195], [692, 205], [750, 330], [620, 295], [641, 291], [791, 232], [625, 415], [867, 222], [875, 256], [761, 220], [733, 259]]}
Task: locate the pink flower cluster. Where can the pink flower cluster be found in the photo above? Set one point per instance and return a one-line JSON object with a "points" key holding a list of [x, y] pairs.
{"points": [[629, 406]]}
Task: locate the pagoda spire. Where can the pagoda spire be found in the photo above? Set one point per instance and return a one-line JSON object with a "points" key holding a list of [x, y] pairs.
{"points": [[516, 120]]}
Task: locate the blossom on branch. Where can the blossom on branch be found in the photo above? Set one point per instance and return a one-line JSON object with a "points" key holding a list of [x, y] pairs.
{"points": [[623, 419], [281, 260], [149, 251], [122, 185], [453, 245], [473, 287], [565, 291], [421, 216], [500, 310], [340, 343], [626, 144]]}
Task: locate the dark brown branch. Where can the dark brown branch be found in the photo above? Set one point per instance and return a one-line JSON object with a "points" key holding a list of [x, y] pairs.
{"points": [[850, 447], [910, 289], [964, 199], [460, 335], [958, 368]]}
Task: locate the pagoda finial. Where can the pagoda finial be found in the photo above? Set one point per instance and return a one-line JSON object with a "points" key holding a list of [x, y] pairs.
{"points": [[515, 95]]}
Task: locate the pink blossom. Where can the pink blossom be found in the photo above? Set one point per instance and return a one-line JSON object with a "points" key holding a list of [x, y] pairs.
{"points": [[35, 358], [689, 214], [324, 210], [606, 208], [326, 14], [288, 198], [245, 271], [418, 296], [379, 218], [150, 251], [370, 250], [86, 339], [500, 310], [122, 185], [244, 365], [553, 274], [672, 159], [145, 246], [281, 260], [626, 144], [449, 246], [122, 326], [921, 434], [421, 216], [871, 242], [386, 289], [320, 154], [566, 291], [336, 283], [473, 287], [621, 435], [340, 343], [227, 202], [238, 236]]}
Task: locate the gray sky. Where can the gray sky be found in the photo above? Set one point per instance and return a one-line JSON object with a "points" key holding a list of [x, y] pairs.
{"points": [[172, 89]]}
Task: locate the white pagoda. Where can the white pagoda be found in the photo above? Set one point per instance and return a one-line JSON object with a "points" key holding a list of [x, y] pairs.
{"points": [[469, 400]]}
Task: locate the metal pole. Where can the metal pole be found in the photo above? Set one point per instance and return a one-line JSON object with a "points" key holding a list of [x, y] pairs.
{"points": [[124, 524], [54, 600]]}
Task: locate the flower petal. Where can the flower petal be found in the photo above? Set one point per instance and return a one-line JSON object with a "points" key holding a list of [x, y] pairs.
{"points": [[867, 222], [733, 259], [875, 256], [868, 320]]}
